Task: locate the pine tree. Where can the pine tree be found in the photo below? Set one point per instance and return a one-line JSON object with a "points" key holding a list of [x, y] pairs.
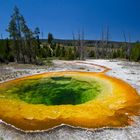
{"points": [[57, 51], [25, 42], [50, 38], [62, 52], [14, 34], [38, 43], [135, 55]]}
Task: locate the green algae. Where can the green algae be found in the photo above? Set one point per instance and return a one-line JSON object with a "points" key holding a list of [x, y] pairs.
{"points": [[59, 90]]}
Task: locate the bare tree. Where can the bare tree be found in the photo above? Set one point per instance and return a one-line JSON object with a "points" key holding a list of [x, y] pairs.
{"points": [[96, 50], [82, 53], [108, 44], [74, 45], [128, 47], [103, 43], [79, 45]]}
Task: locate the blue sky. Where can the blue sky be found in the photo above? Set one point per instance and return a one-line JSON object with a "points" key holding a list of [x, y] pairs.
{"points": [[62, 17]]}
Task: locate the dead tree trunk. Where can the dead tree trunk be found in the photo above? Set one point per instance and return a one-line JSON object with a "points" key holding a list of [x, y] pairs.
{"points": [[125, 43], [82, 46], [129, 48]]}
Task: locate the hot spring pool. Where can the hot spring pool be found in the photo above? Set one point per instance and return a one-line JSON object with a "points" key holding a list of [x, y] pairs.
{"points": [[58, 90], [81, 99]]}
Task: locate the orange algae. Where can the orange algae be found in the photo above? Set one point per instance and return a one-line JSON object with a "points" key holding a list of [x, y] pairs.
{"points": [[113, 107]]}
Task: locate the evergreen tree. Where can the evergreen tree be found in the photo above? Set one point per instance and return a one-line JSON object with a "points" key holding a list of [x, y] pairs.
{"points": [[14, 33], [24, 40], [50, 38], [8, 52], [70, 55], [135, 55], [92, 53], [36, 33], [62, 52], [57, 51]]}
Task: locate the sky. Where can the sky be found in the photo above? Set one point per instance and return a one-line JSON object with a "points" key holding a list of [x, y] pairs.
{"points": [[64, 17]]}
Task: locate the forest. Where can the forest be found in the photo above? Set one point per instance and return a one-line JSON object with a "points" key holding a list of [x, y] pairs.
{"points": [[25, 45]]}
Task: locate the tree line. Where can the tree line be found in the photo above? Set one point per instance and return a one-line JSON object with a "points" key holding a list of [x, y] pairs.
{"points": [[25, 46]]}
